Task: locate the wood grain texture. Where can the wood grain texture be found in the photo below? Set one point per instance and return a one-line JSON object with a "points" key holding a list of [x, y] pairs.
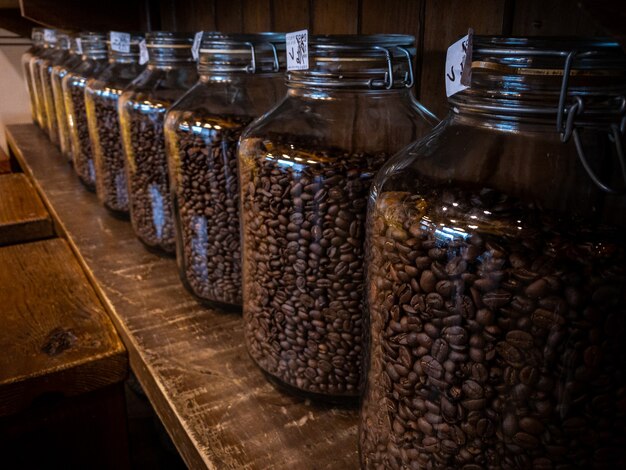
{"points": [[553, 18], [257, 16], [391, 16], [229, 16], [23, 216], [291, 15], [335, 17], [5, 162], [196, 15], [215, 403], [55, 335], [80, 15], [445, 22]]}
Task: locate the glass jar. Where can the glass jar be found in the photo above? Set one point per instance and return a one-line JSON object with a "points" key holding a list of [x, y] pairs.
{"points": [[496, 271], [94, 60], [305, 171], [202, 131], [101, 99], [73, 60], [57, 56], [171, 71], [32, 51], [49, 40]]}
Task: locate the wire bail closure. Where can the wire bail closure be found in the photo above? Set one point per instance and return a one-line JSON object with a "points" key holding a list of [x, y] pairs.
{"points": [[251, 68], [567, 128], [388, 81]]}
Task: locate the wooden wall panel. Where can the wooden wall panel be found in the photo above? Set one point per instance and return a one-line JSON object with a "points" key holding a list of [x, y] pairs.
{"points": [[391, 16], [291, 15], [552, 18], [257, 16], [196, 15], [229, 16], [446, 21], [335, 17]]}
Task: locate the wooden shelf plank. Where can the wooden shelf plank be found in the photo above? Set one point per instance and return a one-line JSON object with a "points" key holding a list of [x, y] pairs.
{"points": [[217, 406], [54, 333], [22, 214]]}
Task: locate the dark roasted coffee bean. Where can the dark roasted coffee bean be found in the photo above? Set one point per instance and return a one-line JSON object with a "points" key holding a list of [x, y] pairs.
{"points": [[207, 220], [82, 153]]}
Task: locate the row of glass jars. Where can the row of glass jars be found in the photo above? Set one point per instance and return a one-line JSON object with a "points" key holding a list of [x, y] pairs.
{"points": [[495, 285]]}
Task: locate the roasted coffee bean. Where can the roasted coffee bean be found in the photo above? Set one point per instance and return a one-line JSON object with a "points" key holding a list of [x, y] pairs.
{"points": [[148, 178], [324, 196], [108, 153], [82, 152], [519, 356], [205, 189]]}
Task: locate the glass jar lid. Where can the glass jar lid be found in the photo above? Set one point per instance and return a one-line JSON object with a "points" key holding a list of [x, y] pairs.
{"points": [[168, 46], [63, 41], [133, 53], [37, 36], [248, 53], [377, 61], [94, 45]]}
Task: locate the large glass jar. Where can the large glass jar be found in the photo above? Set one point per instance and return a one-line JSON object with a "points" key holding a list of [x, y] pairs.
{"points": [[32, 51], [171, 71], [57, 56], [305, 170], [49, 40], [94, 60], [56, 77], [101, 99], [202, 131], [496, 272]]}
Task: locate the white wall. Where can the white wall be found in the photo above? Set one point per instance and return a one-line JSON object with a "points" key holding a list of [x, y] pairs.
{"points": [[14, 107]]}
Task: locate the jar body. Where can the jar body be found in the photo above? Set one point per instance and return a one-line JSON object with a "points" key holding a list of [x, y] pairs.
{"points": [[142, 109], [40, 103], [101, 101], [74, 84], [305, 170], [202, 132], [56, 79], [45, 76], [32, 96], [496, 297]]}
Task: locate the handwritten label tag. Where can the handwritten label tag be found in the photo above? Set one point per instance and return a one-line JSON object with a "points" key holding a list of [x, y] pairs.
{"points": [[195, 48], [298, 50], [120, 42], [143, 52], [79, 46], [458, 65], [49, 35]]}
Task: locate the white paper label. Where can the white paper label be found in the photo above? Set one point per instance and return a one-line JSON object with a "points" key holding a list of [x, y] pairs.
{"points": [[143, 52], [79, 46], [49, 35], [458, 65], [195, 48], [298, 50], [120, 42]]}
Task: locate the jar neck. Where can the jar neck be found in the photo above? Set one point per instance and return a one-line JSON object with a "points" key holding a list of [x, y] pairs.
{"points": [[94, 46], [369, 62], [531, 81], [324, 94], [169, 49]]}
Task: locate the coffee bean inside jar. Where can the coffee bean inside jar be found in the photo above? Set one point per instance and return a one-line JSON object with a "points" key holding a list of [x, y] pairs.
{"points": [[111, 178], [206, 199], [81, 145], [497, 336], [303, 218], [148, 179]]}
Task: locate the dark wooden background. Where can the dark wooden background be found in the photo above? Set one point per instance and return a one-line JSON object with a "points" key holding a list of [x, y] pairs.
{"points": [[435, 23]]}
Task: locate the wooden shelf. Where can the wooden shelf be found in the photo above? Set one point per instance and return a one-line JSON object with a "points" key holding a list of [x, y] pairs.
{"points": [[191, 361]]}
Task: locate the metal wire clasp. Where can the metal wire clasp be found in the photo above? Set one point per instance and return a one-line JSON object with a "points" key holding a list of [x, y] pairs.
{"points": [[388, 80], [251, 68], [566, 125]]}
